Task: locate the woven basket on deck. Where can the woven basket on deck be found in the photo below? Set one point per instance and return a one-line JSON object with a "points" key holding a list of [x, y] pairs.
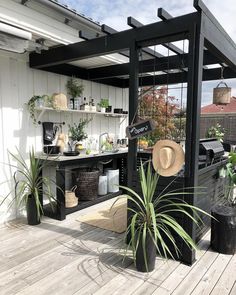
{"points": [[87, 183], [70, 198]]}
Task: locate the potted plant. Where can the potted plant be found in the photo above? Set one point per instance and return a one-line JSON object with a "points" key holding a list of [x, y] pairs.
{"points": [[223, 227], [74, 89], [38, 101], [152, 222], [216, 131], [77, 133], [104, 103], [29, 186]]}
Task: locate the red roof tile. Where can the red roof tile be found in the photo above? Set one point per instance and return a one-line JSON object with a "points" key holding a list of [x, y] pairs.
{"points": [[213, 108]]}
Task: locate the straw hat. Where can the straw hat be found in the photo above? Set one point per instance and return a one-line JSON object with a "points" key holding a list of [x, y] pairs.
{"points": [[167, 157]]}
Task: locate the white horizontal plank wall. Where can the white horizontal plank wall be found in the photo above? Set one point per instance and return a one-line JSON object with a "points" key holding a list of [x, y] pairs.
{"points": [[18, 83]]}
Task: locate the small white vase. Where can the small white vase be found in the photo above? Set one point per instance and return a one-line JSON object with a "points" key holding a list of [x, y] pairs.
{"points": [[103, 110]]}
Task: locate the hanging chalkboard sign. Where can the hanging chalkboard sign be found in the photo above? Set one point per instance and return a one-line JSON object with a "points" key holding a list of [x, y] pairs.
{"points": [[139, 129]]}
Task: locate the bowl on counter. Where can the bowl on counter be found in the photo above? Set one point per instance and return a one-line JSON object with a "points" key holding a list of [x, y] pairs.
{"points": [[51, 149]]}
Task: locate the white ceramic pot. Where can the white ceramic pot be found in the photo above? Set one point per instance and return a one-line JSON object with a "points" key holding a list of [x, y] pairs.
{"points": [[102, 185], [103, 110], [112, 180]]}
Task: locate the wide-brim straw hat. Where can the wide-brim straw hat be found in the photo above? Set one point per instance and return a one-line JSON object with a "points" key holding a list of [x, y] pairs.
{"points": [[167, 157]]}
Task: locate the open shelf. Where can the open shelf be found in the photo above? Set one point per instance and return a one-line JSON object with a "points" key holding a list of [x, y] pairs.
{"points": [[47, 209], [84, 204], [42, 110]]}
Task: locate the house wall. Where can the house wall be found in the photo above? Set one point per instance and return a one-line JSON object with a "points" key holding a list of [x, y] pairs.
{"points": [[18, 83]]}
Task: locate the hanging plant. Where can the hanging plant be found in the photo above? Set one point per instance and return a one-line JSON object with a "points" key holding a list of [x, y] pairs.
{"points": [[74, 88], [33, 101]]}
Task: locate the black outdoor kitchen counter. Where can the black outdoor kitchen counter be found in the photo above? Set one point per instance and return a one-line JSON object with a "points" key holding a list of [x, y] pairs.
{"points": [[62, 164], [62, 161]]}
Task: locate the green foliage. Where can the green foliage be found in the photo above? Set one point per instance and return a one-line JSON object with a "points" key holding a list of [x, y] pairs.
{"points": [[160, 107], [74, 88], [32, 103], [230, 174], [77, 132], [154, 216], [29, 182], [216, 131], [104, 103]]}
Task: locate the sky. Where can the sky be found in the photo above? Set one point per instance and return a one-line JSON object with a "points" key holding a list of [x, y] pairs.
{"points": [[114, 13]]}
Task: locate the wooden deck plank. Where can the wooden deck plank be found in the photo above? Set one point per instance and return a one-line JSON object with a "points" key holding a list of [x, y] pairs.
{"points": [[211, 277], [43, 265], [178, 275], [194, 276], [227, 280], [70, 257]]}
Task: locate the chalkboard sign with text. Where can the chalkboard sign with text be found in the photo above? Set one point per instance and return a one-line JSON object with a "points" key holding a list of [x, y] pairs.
{"points": [[139, 129]]}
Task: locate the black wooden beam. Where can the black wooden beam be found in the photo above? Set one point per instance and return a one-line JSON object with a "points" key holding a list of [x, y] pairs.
{"points": [[148, 35], [85, 35], [216, 38], [88, 36], [108, 30], [71, 70], [107, 75], [175, 78], [164, 15], [150, 65]]}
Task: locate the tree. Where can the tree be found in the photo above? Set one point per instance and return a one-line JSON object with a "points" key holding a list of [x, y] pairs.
{"points": [[156, 104]]}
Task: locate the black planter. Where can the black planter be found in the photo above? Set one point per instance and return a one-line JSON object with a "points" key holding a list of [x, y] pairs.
{"points": [[32, 214], [223, 230], [150, 253]]}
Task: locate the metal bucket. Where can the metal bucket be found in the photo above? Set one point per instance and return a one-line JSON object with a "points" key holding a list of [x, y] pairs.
{"points": [[221, 95]]}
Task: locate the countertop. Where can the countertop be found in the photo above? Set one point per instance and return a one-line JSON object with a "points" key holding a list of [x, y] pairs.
{"points": [[82, 156]]}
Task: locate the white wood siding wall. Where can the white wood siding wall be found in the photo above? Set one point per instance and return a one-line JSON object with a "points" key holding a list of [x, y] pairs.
{"points": [[18, 83]]}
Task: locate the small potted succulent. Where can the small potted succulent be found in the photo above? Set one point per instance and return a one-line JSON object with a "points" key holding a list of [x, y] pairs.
{"points": [[77, 133], [104, 104]]}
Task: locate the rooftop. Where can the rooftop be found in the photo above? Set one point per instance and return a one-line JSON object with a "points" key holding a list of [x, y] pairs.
{"points": [[213, 108]]}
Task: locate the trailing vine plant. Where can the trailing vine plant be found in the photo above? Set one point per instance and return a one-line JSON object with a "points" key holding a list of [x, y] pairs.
{"points": [[32, 103]]}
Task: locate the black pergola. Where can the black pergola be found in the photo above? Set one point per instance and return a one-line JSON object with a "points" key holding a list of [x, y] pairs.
{"points": [[208, 44]]}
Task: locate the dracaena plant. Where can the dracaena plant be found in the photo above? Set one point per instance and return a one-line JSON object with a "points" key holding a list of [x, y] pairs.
{"points": [[153, 215], [29, 182]]}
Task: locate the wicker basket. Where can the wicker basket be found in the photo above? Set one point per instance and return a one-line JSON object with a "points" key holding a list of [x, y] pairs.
{"points": [[70, 199], [87, 183]]}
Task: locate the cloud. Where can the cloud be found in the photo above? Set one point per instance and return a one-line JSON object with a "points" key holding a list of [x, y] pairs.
{"points": [[114, 13]]}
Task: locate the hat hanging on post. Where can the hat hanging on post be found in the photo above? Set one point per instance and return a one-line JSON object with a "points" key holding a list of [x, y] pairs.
{"points": [[221, 95], [167, 157]]}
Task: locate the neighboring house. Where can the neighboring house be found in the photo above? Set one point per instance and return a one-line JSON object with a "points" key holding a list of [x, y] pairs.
{"points": [[225, 115], [49, 24]]}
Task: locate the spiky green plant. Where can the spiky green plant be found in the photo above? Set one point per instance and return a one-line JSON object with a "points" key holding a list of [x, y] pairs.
{"points": [[29, 181], [153, 216], [230, 174]]}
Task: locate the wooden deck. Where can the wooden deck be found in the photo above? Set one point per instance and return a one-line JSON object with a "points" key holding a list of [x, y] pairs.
{"points": [[68, 257]]}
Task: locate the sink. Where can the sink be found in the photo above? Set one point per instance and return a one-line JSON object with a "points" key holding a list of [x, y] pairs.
{"points": [[110, 152]]}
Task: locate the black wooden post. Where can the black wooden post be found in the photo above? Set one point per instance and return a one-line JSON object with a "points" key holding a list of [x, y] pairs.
{"points": [[133, 105], [60, 182], [195, 66]]}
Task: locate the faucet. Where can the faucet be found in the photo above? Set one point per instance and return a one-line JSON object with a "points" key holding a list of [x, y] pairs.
{"points": [[100, 141]]}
